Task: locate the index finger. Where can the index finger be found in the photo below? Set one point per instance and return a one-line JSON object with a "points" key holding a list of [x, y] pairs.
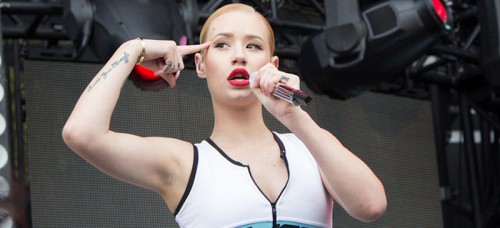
{"points": [[190, 49]]}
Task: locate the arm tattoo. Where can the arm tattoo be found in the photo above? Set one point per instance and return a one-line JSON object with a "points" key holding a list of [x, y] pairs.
{"points": [[104, 75]]}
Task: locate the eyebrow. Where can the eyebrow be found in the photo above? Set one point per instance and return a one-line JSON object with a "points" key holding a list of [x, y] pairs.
{"points": [[230, 35]]}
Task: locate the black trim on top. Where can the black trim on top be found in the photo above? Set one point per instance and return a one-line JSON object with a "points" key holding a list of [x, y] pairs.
{"points": [[282, 148], [189, 186], [283, 156], [224, 154]]}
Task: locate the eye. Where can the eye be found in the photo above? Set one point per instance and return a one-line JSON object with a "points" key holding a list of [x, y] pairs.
{"points": [[221, 45], [254, 46]]}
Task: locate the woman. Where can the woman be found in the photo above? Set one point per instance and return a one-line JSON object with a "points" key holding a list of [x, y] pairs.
{"points": [[244, 174]]}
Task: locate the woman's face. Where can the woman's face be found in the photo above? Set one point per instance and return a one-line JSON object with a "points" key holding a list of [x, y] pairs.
{"points": [[239, 45]]}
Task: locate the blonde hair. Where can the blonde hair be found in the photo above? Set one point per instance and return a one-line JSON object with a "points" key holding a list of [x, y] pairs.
{"points": [[237, 7]]}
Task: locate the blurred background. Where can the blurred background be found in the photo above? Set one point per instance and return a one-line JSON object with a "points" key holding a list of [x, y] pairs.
{"points": [[410, 86]]}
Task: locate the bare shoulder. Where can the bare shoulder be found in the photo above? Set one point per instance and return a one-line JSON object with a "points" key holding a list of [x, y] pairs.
{"points": [[176, 159], [176, 155]]}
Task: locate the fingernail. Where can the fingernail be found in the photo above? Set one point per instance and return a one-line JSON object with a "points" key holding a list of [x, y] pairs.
{"points": [[253, 76]]}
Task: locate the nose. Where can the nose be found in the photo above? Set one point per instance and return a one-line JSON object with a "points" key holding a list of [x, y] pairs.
{"points": [[239, 56]]}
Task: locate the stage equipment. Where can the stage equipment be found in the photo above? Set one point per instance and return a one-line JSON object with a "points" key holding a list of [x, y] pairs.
{"points": [[78, 18], [490, 40], [6, 219], [365, 44], [116, 22]]}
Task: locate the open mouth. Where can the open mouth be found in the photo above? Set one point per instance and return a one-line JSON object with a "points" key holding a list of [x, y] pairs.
{"points": [[238, 74], [239, 77]]}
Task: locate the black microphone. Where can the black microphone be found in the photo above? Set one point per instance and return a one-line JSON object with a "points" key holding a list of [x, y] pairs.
{"points": [[287, 93]]}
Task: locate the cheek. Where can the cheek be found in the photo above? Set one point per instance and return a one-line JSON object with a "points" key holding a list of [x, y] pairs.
{"points": [[214, 59], [214, 68], [262, 60], [212, 65]]}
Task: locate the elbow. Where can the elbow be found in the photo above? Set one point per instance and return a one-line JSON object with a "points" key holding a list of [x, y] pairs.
{"points": [[373, 209], [74, 137], [375, 204]]}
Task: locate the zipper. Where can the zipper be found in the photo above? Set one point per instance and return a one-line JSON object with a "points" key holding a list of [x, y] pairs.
{"points": [[283, 156], [275, 222]]}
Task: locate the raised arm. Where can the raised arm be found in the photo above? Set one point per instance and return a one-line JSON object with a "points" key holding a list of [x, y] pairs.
{"points": [[159, 164], [348, 179]]}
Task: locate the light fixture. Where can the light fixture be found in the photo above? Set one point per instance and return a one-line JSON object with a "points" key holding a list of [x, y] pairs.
{"points": [[369, 43], [117, 21]]}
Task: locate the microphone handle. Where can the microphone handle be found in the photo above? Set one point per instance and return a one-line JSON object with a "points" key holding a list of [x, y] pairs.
{"points": [[294, 96], [287, 93]]}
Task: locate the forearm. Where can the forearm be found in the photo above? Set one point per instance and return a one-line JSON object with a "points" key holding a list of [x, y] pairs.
{"points": [[91, 116], [93, 111], [348, 178]]}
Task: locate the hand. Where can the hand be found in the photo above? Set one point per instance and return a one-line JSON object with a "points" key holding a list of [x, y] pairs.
{"points": [[165, 58], [264, 85]]}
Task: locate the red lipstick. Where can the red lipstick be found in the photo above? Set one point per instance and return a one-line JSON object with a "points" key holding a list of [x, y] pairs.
{"points": [[239, 77]]}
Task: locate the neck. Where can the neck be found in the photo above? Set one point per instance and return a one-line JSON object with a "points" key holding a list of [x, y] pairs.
{"points": [[239, 123]]}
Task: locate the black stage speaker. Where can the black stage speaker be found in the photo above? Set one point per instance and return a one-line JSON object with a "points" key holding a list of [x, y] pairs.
{"points": [[393, 135]]}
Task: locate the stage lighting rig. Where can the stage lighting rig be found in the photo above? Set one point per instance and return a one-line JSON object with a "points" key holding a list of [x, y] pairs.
{"points": [[116, 22], [489, 17], [89, 30], [368, 42]]}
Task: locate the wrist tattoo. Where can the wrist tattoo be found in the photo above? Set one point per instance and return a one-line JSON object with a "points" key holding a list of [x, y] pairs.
{"points": [[104, 75]]}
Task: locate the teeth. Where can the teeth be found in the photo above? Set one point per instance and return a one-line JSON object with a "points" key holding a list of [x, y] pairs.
{"points": [[239, 76]]}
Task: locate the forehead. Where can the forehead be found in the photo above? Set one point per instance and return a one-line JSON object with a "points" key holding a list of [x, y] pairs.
{"points": [[239, 22]]}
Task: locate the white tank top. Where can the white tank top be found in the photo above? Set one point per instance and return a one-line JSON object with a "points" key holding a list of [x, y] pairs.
{"points": [[222, 193]]}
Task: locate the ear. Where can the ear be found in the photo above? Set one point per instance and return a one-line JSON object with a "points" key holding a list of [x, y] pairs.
{"points": [[275, 61], [200, 66]]}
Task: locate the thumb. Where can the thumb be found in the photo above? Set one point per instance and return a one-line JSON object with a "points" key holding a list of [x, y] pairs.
{"points": [[254, 85]]}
